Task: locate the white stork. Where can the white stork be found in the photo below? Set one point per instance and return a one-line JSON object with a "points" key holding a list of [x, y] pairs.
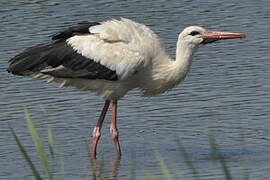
{"points": [[111, 58]]}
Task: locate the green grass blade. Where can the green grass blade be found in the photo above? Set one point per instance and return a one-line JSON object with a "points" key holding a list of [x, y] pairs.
{"points": [[225, 168], [38, 144], [25, 155], [217, 156], [213, 147], [43, 109], [186, 159], [245, 166], [178, 174], [163, 166], [50, 139], [149, 176], [214, 153], [62, 163]]}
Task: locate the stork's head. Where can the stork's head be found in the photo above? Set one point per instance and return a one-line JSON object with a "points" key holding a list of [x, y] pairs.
{"points": [[195, 36]]}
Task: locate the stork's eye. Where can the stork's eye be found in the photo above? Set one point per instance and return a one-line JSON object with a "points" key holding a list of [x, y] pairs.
{"points": [[194, 33]]}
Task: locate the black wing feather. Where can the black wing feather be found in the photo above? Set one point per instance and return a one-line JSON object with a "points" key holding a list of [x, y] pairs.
{"points": [[61, 60], [80, 28]]}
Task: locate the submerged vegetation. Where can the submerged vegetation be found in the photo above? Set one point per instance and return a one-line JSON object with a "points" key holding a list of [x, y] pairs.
{"points": [[96, 167]]}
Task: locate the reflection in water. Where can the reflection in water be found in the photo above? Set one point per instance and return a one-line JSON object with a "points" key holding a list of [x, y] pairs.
{"points": [[97, 168]]}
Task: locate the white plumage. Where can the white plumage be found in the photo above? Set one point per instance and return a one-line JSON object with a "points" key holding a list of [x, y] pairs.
{"points": [[111, 58], [125, 46], [134, 52]]}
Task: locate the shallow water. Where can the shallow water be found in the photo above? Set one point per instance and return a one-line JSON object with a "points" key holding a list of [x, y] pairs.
{"points": [[226, 92]]}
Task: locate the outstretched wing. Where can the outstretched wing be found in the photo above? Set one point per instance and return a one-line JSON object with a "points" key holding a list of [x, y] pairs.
{"points": [[109, 50]]}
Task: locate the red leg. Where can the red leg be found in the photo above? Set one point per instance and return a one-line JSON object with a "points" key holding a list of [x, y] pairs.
{"points": [[113, 128], [96, 132]]}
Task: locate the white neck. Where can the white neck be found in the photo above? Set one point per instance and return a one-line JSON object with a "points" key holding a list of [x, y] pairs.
{"points": [[184, 54], [167, 72], [176, 71]]}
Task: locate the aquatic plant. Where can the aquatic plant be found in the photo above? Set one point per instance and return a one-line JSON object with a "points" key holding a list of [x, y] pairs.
{"points": [[96, 168]]}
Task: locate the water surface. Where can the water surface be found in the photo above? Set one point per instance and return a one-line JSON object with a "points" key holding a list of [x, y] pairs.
{"points": [[226, 92]]}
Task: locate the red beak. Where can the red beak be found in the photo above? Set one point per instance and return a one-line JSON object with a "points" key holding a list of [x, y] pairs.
{"points": [[211, 36]]}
